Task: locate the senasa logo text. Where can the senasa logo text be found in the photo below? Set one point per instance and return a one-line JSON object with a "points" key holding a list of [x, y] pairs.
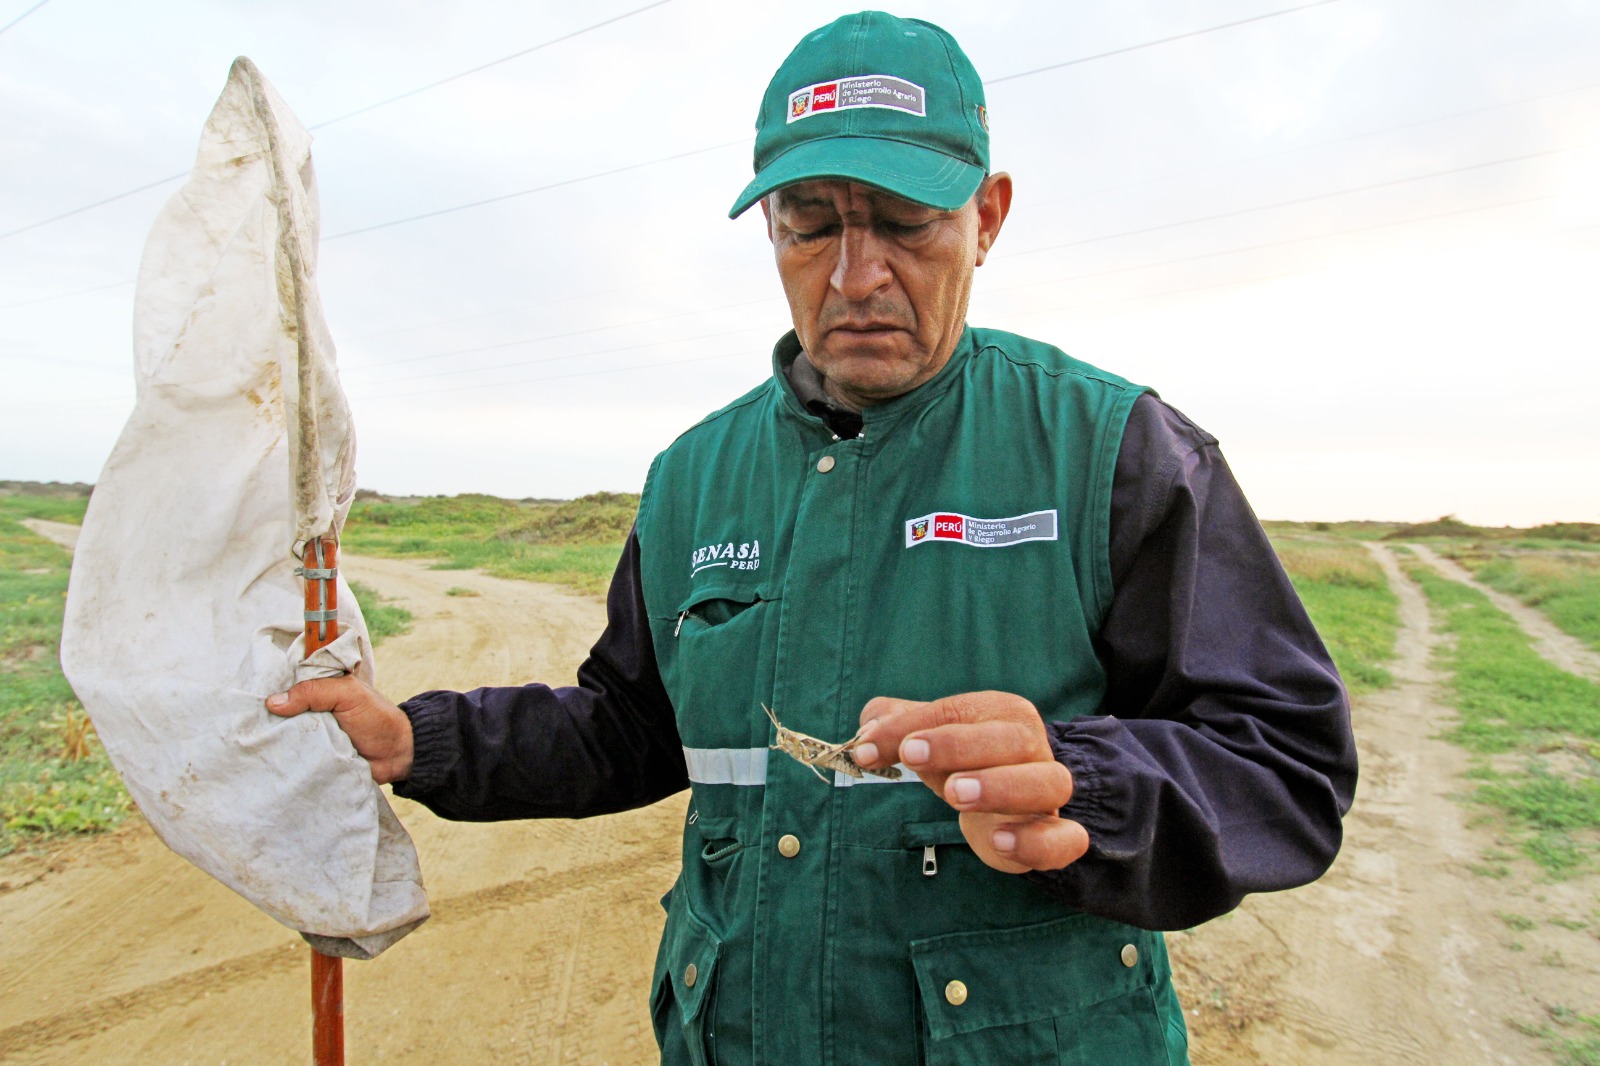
{"points": [[745, 555]]}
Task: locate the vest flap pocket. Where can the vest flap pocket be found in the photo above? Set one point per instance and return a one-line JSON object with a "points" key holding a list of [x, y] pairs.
{"points": [[973, 981], [932, 834], [689, 952], [714, 602]]}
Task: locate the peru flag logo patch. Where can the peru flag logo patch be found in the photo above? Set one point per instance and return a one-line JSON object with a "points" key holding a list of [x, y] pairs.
{"points": [[980, 532]]}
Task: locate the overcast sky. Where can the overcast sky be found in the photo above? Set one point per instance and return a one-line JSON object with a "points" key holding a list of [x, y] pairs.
{"points": [[1359, 242]]}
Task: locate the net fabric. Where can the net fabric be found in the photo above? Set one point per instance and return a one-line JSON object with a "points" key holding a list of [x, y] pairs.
{"points": [[184, 610]]}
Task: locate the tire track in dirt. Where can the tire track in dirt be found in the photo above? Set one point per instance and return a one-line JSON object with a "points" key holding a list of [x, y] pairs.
{"points": [[114, 950], [1549, 640], [84, 1019], [1394, 956]]}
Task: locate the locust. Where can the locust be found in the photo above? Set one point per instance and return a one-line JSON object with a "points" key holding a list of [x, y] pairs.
{"points": [[814, 753]]}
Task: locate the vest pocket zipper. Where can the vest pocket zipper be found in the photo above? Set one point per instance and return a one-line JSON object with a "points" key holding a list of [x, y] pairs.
{"points": [[930, 862]]}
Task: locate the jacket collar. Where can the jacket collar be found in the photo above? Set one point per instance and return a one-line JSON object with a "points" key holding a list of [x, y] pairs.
{"points": [[800, 389]]}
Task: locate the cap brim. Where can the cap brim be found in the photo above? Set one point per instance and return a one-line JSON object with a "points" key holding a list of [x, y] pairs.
{"points": [[906, 170]]}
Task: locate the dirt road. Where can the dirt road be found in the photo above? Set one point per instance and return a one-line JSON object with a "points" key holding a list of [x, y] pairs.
{"points": [[116, 951], [539, 950], [1405, 952]]}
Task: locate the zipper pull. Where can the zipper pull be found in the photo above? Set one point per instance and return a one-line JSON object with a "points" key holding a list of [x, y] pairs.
{"points": [[930, 865], [679, 627]]}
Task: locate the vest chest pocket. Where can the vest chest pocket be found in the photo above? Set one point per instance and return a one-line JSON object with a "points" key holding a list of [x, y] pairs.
{"points": [[713, 655], [1075, 992]]}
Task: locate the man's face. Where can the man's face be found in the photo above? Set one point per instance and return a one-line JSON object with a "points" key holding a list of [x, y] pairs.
{"points": [[878, 286]]}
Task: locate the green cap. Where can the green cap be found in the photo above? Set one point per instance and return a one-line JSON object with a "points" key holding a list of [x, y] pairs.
{"points": [[885, 101]]}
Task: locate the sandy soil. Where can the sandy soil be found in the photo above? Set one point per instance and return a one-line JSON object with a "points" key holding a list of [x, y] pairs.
{"points": [[1401, 953], [116, 951], [539, 949]]}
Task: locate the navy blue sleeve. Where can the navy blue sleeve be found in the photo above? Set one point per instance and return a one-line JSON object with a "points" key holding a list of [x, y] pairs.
{"points": [[1224, 761], [610, 743]]}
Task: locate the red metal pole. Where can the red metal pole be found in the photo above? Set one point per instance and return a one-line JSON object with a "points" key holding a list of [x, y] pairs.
{"points": [[327, 971]]}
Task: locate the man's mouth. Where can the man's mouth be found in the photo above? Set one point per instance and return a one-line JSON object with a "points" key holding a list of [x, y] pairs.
{"points": [[866, 327]]}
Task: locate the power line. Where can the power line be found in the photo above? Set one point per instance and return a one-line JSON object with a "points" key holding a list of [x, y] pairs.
{"points": [[1173, 175], [746, 140], [557, 336], [91, 207], [574, 355], [331, 121], [576, 33], [1290, 203], [486, 66], [1152, 44], [1345, 232], [24, 15], [536, 188], [1041, 310], [558, 377], [1041, 203], [64, 295]]}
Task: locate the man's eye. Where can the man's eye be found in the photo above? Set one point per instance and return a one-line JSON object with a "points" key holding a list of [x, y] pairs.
{"points": [[807, 236], [906, 229]]}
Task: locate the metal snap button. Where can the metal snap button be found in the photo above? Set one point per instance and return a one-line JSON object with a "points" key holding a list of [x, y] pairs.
{"points": [[955, 993], [788, 845], [690, 975], [1130, 956], [825, 464]]}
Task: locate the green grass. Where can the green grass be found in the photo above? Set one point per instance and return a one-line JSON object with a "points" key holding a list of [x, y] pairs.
{"points": [[384, 619], [1573, 1038], [1566, 588], [1509, 698], [1350, 602], [574, 543], [1511, 701], [44, 793]]}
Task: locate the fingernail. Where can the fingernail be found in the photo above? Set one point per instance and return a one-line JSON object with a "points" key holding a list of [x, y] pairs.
{"points": [[278, 699], [866, 753], [914, 752], [967, 789], [1004, 840]]}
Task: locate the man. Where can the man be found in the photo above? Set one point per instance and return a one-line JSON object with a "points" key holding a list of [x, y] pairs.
{"points": [[1027, 581]]}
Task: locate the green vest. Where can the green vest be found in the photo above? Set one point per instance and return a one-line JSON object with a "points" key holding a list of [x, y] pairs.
{"points": [[958, 544]]}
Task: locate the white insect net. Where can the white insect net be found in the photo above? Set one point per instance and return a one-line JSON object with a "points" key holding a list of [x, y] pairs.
{"points": [[184, 610]]}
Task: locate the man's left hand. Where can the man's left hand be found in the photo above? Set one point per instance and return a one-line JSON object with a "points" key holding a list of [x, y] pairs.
{"points": [[987, 755]]}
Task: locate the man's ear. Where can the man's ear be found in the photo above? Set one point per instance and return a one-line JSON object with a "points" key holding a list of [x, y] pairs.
{"points": [[766, 213], [994, 203]]}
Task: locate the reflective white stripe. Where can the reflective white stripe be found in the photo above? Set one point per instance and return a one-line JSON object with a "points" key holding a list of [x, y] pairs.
{"points": [[748, 766], [908, 776], [727, 766]]}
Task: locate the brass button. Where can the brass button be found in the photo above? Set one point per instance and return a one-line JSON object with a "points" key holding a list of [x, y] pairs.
{"points": [[956, 993], [1130, 956], [690, 975], [825, 464], [788, 845]]}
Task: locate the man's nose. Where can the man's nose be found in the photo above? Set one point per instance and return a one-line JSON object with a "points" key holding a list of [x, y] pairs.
{"points": [[862, 269]]}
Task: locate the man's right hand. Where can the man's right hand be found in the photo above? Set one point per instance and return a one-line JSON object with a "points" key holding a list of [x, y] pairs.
{"points": [[380, 731]]}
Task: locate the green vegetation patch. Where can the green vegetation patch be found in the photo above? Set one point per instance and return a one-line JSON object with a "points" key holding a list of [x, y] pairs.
{"points": [[383, 618], [1565, 587], [1573, 1038], [1512, 701], [54, 777], [1447, 526], [1350, 602], [574, 542]]}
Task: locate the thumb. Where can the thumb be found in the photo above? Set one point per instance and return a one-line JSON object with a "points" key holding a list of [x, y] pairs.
{"points": [[318, 694]]}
